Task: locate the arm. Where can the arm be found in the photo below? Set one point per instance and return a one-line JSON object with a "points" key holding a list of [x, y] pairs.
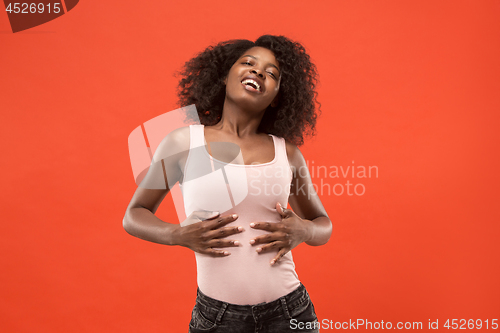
{"points": [[139, 219], [307, 204], [205, 230]]}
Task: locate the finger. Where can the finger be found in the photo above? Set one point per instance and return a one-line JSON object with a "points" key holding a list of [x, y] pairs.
{"points": [[222, 232], [280, 255], [222, 221], [269, 226], [280, 210], [271, 247], [218, 243], [215, 253], [284, 212], [272, 237]]}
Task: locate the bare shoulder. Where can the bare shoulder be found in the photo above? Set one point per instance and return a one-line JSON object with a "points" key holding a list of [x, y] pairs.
{"points": [[175, 142], [179, 136], [180, 133], [295, 157]]}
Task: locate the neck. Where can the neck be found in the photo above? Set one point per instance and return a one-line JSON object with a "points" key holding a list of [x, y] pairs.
{"points": [[239, 121]]}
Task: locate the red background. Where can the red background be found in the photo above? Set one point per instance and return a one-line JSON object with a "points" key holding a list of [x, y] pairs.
{"points": [[412, 87]]}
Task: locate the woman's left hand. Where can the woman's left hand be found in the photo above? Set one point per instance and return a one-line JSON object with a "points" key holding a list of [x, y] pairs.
{"points": [[284, 235]]}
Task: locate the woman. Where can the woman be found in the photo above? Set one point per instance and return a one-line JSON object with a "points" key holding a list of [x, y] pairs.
{"points": [[260, 97]]}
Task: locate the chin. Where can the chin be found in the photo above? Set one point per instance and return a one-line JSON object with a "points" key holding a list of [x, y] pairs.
{"points": [[247, 102]]}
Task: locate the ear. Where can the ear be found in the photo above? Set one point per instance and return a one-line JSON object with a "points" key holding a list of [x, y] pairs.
{"points": [[225, 81]]}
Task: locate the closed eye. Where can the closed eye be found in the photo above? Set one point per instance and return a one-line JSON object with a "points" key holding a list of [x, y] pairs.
{"points": [[270, 73]]}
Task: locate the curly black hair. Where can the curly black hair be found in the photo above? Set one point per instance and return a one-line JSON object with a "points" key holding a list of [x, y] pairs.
{"points": [[202, 84]]}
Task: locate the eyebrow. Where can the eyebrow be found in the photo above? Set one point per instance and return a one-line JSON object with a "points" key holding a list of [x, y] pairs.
{"points": [[271, 64]]}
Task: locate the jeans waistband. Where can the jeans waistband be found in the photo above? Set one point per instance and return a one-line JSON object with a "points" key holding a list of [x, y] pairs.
{"points": [[284, 305]]}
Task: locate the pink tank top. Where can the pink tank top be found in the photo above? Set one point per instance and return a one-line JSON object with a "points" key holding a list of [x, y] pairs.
{"points": [[251, 191]]}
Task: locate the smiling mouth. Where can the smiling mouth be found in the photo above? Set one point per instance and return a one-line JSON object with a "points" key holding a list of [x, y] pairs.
{"points": [[251, 84]]}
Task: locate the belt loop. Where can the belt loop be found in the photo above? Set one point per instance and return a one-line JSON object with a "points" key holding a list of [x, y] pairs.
{"points": [[221, 313], [285, 308]]}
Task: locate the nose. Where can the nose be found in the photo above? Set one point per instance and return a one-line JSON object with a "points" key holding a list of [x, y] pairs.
{"points": [[257, 72]]}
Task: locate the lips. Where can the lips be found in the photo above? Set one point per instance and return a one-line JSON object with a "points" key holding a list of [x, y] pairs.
{"points": [[252, 83]]}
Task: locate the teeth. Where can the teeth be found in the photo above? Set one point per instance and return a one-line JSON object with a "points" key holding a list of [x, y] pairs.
{"points": [[252, 82]]}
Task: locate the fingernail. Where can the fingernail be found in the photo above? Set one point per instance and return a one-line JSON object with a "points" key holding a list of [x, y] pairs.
{"points": [[235, 216], [236, 243], [252, 224], [240, 228], [252, 241], [273, 261], [226, 253], [258, 249]]}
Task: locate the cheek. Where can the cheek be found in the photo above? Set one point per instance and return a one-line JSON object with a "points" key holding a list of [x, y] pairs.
{"points": [[275, 89]]}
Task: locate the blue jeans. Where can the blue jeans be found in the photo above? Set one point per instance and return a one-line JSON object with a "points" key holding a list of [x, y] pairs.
{"points": [[291, 313]]}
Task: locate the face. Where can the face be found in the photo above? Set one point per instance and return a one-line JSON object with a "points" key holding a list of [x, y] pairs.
{"points": [[254, 79]]}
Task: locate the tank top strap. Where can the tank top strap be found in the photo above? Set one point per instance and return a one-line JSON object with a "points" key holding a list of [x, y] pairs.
{"points": [[196, 136], [280, 149]]}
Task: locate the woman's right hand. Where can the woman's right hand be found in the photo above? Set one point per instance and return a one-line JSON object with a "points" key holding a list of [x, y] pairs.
{"points": [[203, 231]]}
